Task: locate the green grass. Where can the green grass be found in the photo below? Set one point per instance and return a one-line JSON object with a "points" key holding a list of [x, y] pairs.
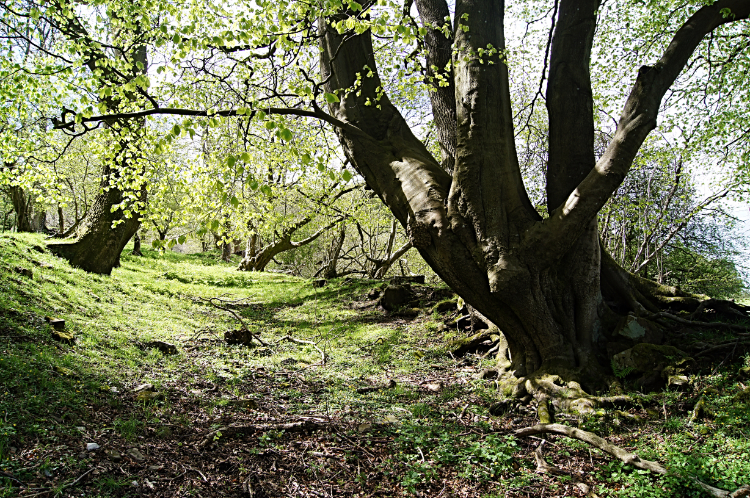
{"points": [[52, 393]]}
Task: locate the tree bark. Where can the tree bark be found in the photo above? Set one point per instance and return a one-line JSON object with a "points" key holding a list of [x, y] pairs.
{"points": [[137, 244], [538, 279], [330, 268], [282, 243], [22, 206], [102, 235], [60, 220], [435, 15]]}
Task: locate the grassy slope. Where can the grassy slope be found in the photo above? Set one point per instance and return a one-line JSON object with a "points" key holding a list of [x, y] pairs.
{"points": [[55, 398]]}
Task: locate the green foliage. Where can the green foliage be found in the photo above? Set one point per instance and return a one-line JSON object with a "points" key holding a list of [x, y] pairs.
{"points": [[694, 272], [426, 448]]}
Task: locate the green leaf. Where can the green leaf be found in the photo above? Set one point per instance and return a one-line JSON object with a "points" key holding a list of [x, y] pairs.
{"points": [[181, 239], [266, 190], [231, 160], [234, 201], [214, 225], [285, 134], [321, 167], [176, 130], [254, 185], [331, 98], [245, 157], [346, 176], [305, 159], [270, 125]]}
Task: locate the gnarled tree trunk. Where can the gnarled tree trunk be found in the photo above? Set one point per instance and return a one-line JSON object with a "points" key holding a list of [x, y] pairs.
{"points": [[538, 279], [102, 235], [257, 261]]}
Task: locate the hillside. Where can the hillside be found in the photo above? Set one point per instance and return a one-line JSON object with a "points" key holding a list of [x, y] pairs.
{"points": [[341, 399]]}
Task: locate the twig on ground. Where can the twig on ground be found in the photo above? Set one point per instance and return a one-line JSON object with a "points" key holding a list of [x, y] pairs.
{"points": [[11, 477], [77, 480], [463, 411], [218, 302], [301, 341]]}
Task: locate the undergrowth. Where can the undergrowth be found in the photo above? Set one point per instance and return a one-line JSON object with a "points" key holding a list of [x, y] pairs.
{"points": [[414, 437]]}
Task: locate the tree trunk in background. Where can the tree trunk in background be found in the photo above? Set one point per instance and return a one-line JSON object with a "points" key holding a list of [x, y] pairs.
{"points": [[39, 221], [333, 260], [226, 252], [22, 207], [258, 261], [251, 247], [60, 220], [137, 245], [382, 266]]}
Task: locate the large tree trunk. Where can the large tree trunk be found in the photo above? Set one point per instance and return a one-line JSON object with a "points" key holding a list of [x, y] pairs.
{"points": [[22, 206], [538, 280], [137, 244], [102, 235]]}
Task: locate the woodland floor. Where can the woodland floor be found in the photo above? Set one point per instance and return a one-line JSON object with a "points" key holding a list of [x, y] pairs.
{"points": [[390, 413]]}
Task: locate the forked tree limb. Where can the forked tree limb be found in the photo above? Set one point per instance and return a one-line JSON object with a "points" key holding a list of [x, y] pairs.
{"points": [[214, 301]]}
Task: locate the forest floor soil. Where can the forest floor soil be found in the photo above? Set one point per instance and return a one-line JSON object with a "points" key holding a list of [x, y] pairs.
{"points": [[390, 412]]}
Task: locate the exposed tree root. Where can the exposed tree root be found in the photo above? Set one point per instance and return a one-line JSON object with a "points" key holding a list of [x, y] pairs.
{"points": [[619, 453], [725, 345], [542, 467], [596, 441], [696, 323]]}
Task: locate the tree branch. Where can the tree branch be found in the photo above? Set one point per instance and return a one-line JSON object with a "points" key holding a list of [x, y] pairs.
{"points": [[548, 240]]}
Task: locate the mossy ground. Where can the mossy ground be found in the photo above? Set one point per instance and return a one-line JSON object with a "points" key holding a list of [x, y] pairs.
{"points": [[430, 435]]}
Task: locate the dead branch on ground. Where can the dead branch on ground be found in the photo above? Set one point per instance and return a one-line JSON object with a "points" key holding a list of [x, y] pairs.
{"points": [[222, 304], [301, 341]]}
